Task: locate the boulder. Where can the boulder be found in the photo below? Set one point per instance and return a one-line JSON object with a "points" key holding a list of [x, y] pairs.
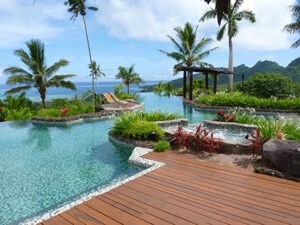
{"points": [[284, 154]]}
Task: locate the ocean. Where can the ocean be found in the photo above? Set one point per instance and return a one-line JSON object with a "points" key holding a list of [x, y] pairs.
{"points": [[82, 87]]}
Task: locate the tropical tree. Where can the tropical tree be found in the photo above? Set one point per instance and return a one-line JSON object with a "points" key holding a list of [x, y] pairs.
{"points": [[37, 75], [78, 7], [221, 8], [231, 18], [96, 72], [189, 51], [294, 27], [129, 76]]}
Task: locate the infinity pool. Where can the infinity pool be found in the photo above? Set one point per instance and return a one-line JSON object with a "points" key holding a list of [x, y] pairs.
{"points": [[42, 168]]}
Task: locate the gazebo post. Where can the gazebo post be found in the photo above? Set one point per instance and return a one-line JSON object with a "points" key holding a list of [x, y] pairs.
{"points": [[215, 82], [191, 85], [184, 84], [206, 81]]}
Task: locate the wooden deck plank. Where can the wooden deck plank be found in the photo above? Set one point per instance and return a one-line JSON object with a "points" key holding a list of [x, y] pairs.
{"points": [[57, 220], [185, 162], [236, 192], [214, 198], [257, 208], [213, 178], [191, 191], [83, 217]]}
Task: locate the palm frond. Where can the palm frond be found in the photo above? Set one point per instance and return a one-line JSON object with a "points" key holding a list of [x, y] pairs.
{"points": [[16, 71], [177, 45], [246, 14], [55, 67], [19, 79], [211, 14], [201, 45], [235, 7], [296, 44], [17, 89], [221, 32]]}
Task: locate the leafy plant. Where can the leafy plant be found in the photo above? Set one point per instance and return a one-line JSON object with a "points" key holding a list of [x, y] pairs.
{"points": [[257, 142], [161, 146], [20, 114], [237, 99], [225, 117], [269, 85], [269, 127], [2, 113], [138, 130], [201, 140]]}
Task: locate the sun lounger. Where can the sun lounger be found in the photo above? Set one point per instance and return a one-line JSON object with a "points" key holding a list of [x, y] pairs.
{"points": [[117, 99], [109, 98]]}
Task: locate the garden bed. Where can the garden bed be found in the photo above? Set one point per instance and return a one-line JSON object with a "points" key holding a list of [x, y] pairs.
{"points": [[74, 119]]}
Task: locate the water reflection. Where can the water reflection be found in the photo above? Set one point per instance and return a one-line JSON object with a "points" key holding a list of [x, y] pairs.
{"points": [[39, 136]]}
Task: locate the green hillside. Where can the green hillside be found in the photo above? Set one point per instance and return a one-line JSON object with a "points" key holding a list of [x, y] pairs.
{"points": [[292, 71]]}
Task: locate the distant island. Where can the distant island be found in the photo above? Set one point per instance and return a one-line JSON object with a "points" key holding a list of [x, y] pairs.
{"points": [[292, 70]]}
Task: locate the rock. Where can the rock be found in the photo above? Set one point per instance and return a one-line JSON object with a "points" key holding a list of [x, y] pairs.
{"points": [[284, 154]]}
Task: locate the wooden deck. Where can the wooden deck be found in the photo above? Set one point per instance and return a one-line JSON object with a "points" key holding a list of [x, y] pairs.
{"points": [[190, 191]]}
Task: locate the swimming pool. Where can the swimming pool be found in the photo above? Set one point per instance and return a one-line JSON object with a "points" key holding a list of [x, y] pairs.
{"points": [[42, 167]]}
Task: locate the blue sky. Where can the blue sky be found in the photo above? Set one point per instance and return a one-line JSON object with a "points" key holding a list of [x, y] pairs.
{"points": [[126, 32]]}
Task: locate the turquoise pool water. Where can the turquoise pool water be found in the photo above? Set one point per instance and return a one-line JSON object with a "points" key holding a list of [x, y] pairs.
{"points": [[42, 168], [174, 104]]}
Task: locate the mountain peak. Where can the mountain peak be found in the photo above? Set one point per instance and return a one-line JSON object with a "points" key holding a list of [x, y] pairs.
{"points": [[295, 62]]}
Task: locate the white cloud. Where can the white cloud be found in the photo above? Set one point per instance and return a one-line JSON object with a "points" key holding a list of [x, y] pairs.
{"points": [[154, 19], [148, 19], [267, 33], [21, 21]]}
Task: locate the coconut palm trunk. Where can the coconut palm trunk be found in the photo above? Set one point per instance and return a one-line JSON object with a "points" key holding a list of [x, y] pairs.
{"points": [[91, 60], [128, 89], [230, 65]]}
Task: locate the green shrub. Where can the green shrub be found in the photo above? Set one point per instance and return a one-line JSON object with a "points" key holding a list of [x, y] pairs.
{"points": [[58, 103], [269, 127], [17, 114], [237, 99], [49, 112], [268, 85], [161, 146], [137, 129], [142, 129], [131, 124], [17, 101]]}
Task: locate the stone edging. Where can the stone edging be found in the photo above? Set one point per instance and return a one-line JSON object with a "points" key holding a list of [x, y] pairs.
{"points": [[70, 120], [167, 123], [203, 106], [135, 158], [212, 124]]}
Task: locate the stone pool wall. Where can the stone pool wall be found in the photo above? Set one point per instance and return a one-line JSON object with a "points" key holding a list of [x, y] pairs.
{"points": [[70, 120], [236, 127], [168, 123]]}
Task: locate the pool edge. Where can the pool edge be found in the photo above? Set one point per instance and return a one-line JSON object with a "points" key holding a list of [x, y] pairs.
{"points": [[135, 158]]}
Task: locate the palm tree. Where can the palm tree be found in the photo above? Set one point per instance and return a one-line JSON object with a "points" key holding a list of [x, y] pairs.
{"points": [[189, 51], [77, 7], [295, 26], [38, 74], [96, 72], [221, 8], [231, 18], [128, 76]]}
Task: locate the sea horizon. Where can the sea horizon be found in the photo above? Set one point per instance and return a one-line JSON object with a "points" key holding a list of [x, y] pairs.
{"points": [[82, 87]]}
